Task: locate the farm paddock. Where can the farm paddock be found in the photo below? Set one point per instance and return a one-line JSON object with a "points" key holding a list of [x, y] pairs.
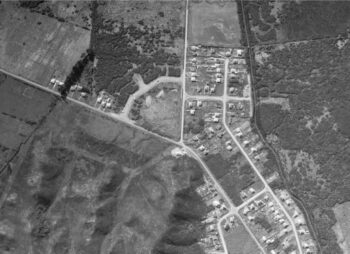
{"points": [[38, 47], [214, 24]]}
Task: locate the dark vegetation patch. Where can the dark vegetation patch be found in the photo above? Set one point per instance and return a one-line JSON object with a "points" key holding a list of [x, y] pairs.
{"points": [[314, 19], [316, 82], [125, 49], [295, 20], [276, 117], [101, 148], [185, 229], [76, 73], [234, 174], [110, 188]]}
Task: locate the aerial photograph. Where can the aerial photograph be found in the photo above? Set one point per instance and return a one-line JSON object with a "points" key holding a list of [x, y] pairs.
{"points": [[174, 127]]}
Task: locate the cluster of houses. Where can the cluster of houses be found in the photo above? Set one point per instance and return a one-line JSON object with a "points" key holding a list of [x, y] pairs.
{"points": [[280, 230], [217, 209], [306, 240], [206, 74], [104, 101], [230, 223]]}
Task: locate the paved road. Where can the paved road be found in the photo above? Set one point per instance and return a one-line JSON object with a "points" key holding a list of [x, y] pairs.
{"points": [[107, 114]]}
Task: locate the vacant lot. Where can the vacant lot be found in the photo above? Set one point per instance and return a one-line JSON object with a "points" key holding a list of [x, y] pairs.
{"points": [[84, 180], [342, 227], [214, 24], [37, 47], [234, 173], [159, 110], [312, 135], [239, 241]]}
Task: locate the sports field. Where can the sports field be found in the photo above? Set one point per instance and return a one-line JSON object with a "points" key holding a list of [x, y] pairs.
{"points": [[214, 24], [36, 47]]}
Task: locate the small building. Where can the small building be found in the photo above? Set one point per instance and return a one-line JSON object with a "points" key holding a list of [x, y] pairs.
{"points": [[211, 228], [289, 202], [201, 148], [211, 129], [245, 210], [220, 134], [216, 203], [229, 148], [240, 52], [199, 103], [218, 80], [246, 142], [232, 90], [212, 90], [193, 79], [252, 207], [295, 214], [227, 226], [231, 105], [285, 224], [251, 218], [192, 111], [243, 195], [252, 190], [195, 138], [300, 221]]}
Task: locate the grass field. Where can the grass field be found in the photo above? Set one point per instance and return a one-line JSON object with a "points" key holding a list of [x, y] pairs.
{"points": [[36, 46], [159, 110], [342, 227], [239, 241], [21, 110], [214, 24]]}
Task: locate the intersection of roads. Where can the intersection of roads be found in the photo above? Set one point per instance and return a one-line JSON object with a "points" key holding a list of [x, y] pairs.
{"points": [[233, 210]]}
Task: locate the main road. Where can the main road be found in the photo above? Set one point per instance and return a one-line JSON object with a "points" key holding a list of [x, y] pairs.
{"points": [[110, 115]]}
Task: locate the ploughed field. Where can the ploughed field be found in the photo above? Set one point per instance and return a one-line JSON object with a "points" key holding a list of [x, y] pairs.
{"points": [[87, 184]]}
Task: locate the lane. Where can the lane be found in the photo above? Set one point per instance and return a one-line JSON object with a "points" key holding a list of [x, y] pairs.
{"points": [[143, 88], [184, 75]]}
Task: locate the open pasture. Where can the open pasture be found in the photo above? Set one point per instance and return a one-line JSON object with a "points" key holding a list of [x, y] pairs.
{"points": [[37, 47], [214, 24]]}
